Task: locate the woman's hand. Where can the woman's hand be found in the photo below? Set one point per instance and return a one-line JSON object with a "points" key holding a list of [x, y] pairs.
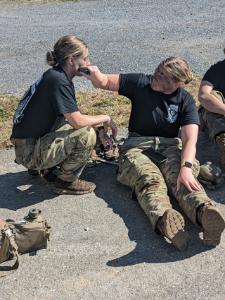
{"points": [[98, 79], [187, 179], [112, 125], [105, 139]]}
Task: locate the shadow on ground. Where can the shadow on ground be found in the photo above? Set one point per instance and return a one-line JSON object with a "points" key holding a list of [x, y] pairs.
{"points": [[18, 190], [150, 247]]}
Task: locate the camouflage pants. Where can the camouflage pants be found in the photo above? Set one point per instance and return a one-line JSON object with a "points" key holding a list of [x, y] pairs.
{"points": [[67, 148], [213, 123], [150, 181]]}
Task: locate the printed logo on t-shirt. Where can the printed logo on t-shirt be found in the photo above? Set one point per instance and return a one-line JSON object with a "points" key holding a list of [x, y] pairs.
{"points": [[172, 113]]}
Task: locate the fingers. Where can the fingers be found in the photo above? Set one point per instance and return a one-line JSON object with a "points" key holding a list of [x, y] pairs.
{"points": [[114, 131], [190, 183], [106, 126], [193, 186], [189, 187], [105, 140], [92, 70], [113, 128], [196, 186]]}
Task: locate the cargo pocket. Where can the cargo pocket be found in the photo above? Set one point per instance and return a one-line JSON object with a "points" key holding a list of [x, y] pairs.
{"points": [[52, 154]]}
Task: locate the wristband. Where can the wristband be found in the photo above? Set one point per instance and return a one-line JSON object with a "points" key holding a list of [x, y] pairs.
{"points": [[187, 164]]}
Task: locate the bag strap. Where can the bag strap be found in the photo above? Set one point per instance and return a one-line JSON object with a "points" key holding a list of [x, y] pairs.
{"points": [[6, 270]]}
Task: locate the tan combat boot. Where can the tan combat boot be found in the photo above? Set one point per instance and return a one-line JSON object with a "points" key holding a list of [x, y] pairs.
{"points": [[77, 187], [212, 222], [171, 225], [220, 140]]}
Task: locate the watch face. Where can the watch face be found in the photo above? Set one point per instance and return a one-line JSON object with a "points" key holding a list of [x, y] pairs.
{"points": [[188, 164]]}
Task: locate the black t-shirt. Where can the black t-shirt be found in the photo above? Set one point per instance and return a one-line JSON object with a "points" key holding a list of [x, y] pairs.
{"points": [[154, 113], [216, 76], [54, 96]]}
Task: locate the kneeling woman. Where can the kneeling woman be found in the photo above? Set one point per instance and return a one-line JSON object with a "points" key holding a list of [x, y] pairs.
{"points": [[49, 132]]}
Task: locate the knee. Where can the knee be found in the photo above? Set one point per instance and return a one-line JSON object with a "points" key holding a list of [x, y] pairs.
{"points": [[91, 137], [127, 171], [87, 137], [153, 182]]}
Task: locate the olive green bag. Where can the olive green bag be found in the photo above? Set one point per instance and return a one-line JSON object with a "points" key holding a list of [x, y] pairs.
{"points": [[29, 235]]}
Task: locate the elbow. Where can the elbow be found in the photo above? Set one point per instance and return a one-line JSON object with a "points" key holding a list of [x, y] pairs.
{"points": [[76, 120], [77, 124]]}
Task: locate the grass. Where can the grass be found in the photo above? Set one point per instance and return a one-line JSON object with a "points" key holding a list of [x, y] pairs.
{"points": [[193, 87], [8, 105], [93, 103], [105, 102]]}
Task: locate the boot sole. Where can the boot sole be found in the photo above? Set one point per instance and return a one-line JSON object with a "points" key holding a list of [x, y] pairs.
{"points": [[213, 225], [71, 192], [174, 229]]}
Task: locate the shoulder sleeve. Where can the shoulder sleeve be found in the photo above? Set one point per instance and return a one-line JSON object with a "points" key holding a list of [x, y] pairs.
{"points": [[64, 100], [128, 83], [189, 112], [212, 76]]}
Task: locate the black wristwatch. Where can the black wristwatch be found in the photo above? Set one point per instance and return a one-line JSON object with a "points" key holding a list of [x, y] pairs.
{"points": [[187, 164]]}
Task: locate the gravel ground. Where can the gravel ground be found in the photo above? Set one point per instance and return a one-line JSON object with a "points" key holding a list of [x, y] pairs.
{"points": [[102, 245], [123, 36]]}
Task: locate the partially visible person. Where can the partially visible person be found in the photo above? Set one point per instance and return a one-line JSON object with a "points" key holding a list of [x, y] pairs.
{"points": [[49, 133], [212, 110], [154, 161]]}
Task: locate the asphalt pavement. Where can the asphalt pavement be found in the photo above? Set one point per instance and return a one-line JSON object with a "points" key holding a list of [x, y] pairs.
{"points": [[102, 245], [123, 36]]}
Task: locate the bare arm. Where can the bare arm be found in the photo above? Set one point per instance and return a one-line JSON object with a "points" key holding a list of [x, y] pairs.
{"points": [[209, 101], [78, 120], [103, 81], [189, 135]]}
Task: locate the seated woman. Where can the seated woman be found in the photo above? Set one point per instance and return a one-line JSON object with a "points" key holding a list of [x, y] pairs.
{"points": [[212, 99]]}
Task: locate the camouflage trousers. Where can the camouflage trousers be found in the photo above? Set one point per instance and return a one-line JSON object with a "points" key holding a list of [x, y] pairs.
{"points": [[212, 123], [150, 182], [66, 147]]}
